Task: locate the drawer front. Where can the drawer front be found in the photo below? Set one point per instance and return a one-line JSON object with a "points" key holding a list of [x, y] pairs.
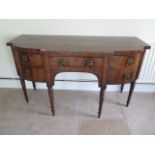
{"points": [[39, 74], [124, 60], [76, 62], [30, 57], [117, 76], [34, 73]]}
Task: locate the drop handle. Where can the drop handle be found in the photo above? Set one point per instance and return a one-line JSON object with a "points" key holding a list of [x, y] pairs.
{"points": [[63, 62], [130, 61], [27, 72], [126, 76], [89, 63], [24, 57]]}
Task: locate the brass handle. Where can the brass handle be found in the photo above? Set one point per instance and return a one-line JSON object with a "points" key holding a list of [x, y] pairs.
{"points": [[24, 57], [130, 61], [27, 72], [89, 63], [126, 76], [63, 62]]}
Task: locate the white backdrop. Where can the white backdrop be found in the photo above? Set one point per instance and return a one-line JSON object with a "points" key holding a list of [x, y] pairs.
{"points": [[144, 29]]}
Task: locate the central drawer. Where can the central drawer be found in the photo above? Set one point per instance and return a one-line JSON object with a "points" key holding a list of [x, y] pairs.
{"points": [[75, 62]]}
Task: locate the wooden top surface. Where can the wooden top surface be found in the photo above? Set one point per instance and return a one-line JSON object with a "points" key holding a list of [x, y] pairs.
{"points": [[79, 43]]}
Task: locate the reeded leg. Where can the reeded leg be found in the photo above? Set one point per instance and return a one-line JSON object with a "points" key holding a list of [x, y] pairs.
{"points": [[102, 92], [122, 87], [51, 98], [34, 85], [130, 92], [22, 81]]}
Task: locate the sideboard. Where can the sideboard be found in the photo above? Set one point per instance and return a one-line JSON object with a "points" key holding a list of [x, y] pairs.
{"points": [[114, 60]]}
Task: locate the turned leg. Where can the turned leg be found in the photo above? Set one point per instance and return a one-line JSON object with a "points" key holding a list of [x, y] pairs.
{"points": [[51, 98], [122, 87], [130, 92], [102, 92], [34, 85], [22, 81]]}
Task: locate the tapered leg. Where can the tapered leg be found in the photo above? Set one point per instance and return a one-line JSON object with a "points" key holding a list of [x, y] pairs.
{"points": [[130, 92], [122, 87], [34, 85], [102, 92], [51, 98], [22, 81]]}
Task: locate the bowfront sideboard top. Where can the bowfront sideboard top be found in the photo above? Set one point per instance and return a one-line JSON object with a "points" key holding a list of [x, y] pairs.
{"points": [[79, 43], [114, 60]]}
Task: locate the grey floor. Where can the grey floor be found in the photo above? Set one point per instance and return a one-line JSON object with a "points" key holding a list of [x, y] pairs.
{"points": [[76, 113]]}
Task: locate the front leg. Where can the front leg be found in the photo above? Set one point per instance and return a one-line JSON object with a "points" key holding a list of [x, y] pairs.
{"points": [[51, 98], [102, 92], [22, 81], [130, 92]]}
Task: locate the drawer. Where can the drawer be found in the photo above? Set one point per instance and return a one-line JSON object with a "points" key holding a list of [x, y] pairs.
{"points": [[126, 60], [76, 62], [34, 73], [30, 57], [117, 76]]}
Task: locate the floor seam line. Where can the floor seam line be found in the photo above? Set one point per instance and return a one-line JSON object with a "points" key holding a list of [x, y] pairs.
{"points": [[123, 113], [78, 128]]}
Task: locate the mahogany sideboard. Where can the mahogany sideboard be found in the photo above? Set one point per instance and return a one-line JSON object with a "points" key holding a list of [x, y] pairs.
{"points": [[114, 60]]}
